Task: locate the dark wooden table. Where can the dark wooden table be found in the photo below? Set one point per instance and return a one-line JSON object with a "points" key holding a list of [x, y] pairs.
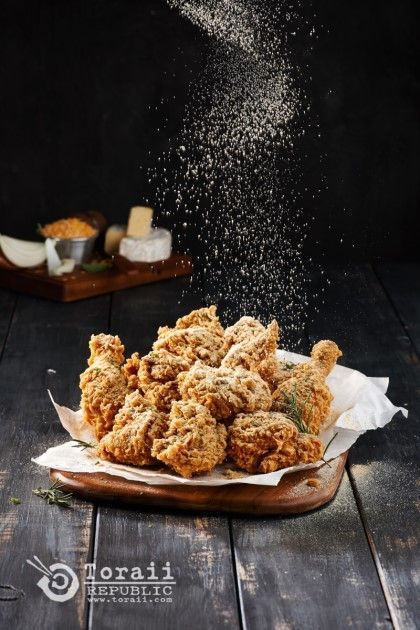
{"points": [[351, 564]]}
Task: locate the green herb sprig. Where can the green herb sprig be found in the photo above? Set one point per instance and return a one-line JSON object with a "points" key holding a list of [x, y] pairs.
{"points": [[294, 411], [83, 445], [326, 449], [15, 501], [54, 495]]}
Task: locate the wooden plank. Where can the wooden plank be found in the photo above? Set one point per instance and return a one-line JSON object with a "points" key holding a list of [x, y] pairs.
{"points": [[46, 348], [198, 549], [402, 285], [81, 285], [301, 571], [7, 306], [310, 571], [384, 464]]}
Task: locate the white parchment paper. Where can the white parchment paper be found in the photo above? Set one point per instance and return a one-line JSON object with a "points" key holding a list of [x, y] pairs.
{"points": [[359, 405]]}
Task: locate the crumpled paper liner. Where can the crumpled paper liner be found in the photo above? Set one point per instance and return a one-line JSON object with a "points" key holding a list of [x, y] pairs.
{"points": [[359, 405]]}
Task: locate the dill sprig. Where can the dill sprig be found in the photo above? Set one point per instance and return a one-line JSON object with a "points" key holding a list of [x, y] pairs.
{"points": [[326, 449], [294, 411], [54, 495], [83, 445]]}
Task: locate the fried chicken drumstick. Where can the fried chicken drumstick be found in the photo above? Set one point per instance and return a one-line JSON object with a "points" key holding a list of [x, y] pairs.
{"points": [[103, 383], [305, 397]]}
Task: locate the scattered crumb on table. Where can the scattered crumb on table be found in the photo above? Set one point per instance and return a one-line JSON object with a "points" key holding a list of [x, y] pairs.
{"points": [[314, 483]]}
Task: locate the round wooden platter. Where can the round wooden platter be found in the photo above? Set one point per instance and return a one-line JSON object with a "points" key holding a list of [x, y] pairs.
{"points": [[293, 495]]}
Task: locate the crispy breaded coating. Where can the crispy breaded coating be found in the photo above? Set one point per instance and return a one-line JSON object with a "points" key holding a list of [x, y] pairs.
{"points": [[157, 376], [103, 383], [131, 443], [243, 329], [255, 349], [305, 397], [275, 372], [134, 403], [325, 354], [203, 318], [130, 369], [194, 442], [224, 391], [264, 442], [192, 344]]}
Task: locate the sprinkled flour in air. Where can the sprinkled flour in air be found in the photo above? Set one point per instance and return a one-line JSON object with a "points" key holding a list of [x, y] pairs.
{"points": [[231, 179]]}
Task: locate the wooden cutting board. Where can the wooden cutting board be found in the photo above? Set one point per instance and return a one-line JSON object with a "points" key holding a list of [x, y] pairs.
{"points": [[81, 284], [293, 495]]}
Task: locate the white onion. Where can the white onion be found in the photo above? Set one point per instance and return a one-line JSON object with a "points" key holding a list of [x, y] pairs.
{"points": [[22, 253]]}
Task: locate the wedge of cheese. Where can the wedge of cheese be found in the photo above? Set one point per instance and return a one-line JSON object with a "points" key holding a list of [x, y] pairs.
{"points": [[139, 221]]}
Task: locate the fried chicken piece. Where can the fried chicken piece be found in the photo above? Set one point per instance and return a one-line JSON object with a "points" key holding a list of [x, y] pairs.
{"points": [[224, 391], [103, 383], [192, 344], [157, 376], [194, 442], [134, 403], [131, 440], [257, 351], [251, 351], [203, 318], [130, 369], [264, 442], [275, 372], [243, 329], [305, 397]]}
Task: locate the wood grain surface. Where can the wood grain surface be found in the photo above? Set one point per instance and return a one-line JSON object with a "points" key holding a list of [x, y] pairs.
{"points": [[46, 348], [351, 564], [384, 465]]}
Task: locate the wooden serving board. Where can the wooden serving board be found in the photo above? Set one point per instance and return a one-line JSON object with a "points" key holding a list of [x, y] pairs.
{"points": [[293, 495], [81, 284]]}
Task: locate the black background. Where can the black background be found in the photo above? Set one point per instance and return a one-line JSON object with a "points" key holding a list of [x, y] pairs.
{"points": [[82, 84]]}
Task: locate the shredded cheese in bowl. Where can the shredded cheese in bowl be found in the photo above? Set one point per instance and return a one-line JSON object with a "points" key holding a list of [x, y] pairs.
{"points": [[68, 228]]}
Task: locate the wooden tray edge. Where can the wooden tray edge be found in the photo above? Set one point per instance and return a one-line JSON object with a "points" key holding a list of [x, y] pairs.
{"points": [[233, 499]]}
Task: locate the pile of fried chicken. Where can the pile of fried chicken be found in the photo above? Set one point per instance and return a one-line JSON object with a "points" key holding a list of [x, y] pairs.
{"points": [[204, 395]]}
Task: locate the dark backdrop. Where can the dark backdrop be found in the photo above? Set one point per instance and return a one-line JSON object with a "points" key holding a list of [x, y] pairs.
{"points": [[86, 86]]}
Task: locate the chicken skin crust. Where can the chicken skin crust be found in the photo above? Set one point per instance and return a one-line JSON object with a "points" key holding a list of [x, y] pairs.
{"points": [[203, 318], [305, 397], [225, 391], [255, 349], [103, 383], [244, 329], [250, 352], [264, 442], [194, 343], [157, 376], [135, 427], [194, 442]]}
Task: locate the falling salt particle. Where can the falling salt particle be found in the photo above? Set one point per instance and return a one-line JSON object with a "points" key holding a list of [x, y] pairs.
{"points": [[51, 371], [243, 118]]}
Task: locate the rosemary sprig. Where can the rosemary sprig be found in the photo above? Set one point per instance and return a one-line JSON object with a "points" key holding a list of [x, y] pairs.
{"points": [[326, 449], [289, 366], [83, 445], [295, 412], [54, 495]]}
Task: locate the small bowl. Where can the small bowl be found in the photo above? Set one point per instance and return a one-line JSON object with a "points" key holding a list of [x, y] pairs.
{"points": [[80, 249]]}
